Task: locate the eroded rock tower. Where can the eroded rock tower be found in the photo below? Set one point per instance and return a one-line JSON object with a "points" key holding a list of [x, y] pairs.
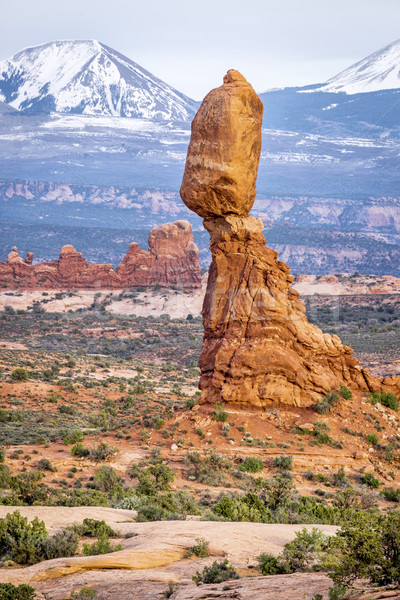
{"points": [[258, 347]]}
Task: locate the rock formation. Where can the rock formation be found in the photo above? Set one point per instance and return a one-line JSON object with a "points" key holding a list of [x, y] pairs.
{"points": [[258, 347], [172, 260]]}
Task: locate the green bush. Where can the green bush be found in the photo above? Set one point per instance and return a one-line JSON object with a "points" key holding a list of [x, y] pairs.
{"points": [[306, 551], [367, 547], [372, 439], [212, 469], [168, 506], [385, 398], [103, 452], [19, 375], [94, 528], [64, 543], [79, 450], [8, 591], [327, 402], [28, 543], [200, 548], [251, 464], [102, 545], [391, 495], [283, 462], [345, 392], [2, 455], [45, 465], [371, 481], [73, 437], [157, 477], [21, 541], [106, 479], [216, 573], [270, 564], [220, 415]]}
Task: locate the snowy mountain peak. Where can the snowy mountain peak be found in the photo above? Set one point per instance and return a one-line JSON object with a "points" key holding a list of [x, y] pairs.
{"points": [[87, 77], [379, 71]]}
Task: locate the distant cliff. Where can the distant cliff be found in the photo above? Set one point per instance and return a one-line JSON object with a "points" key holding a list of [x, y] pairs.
{"points": [[172, 260]]}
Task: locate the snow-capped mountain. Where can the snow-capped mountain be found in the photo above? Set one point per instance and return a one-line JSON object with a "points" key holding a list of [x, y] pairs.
{"points": [[87, 77], [379, 71]]}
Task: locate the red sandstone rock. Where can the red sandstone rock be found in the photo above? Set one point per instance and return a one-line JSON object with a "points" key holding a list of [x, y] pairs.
{"points": [[220, 178], [172, 260], [258, 347]]}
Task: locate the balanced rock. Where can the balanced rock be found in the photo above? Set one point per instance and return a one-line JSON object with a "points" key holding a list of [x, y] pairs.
{"points": [[258, 348], [224, 150]]}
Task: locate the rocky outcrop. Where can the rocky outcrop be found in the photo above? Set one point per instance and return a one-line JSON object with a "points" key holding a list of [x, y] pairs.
{"points": [[258, 347], [172, 260]]}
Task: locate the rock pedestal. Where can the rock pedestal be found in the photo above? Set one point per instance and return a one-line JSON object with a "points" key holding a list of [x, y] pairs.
{"points": [[258, 347]]}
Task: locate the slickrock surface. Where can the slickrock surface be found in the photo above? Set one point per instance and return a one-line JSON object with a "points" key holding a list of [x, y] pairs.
{"points": [[155, 555], [172, 260], [258, 346]]}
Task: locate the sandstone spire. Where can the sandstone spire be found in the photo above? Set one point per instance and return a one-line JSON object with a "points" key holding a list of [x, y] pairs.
{"points": [[258, 347]]}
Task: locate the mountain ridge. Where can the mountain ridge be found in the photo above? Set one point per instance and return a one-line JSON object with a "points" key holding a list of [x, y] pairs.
{"points": [[87, 77]]}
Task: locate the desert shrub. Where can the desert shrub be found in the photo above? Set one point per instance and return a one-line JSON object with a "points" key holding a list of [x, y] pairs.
{"points": [[85, 593], [103, 452], [21, 541], [168, 506], [249, 508], [73, 437], [66, 409], [107, 480], [19, 375], [94, 528], [216, 573], [220, 415], [156, 477], [368, 547], [339, 479], [305, 551], [385, 398], [78, 497], [251, 464], [372, 439], [45, 465], [391, 495], [345, 392], [371, 481], [270, 564], [79, 450], [200, 548], [2, 455], [8, 591], [5, 477], [64, 543], [212, 469], [102, 545], [283, 462], [327, 403]]}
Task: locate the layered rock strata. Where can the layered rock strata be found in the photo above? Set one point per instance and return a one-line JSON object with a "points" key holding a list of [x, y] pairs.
{"points": [[171, 260], [258, 347]]}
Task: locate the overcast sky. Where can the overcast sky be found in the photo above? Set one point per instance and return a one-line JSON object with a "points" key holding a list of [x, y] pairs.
{"points": [[190, 44]]}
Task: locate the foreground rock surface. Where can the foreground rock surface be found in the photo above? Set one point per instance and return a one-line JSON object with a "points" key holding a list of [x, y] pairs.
{"points": [[172, 260], [258, 347], [154, 556]]}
